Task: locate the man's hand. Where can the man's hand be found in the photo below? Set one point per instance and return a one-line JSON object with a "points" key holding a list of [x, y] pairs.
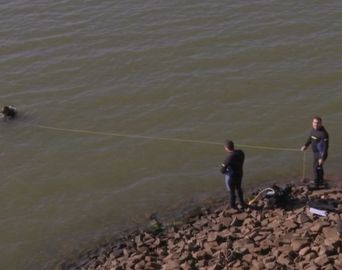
{"points": [[320, 162], [223, 168], [303, 148]]}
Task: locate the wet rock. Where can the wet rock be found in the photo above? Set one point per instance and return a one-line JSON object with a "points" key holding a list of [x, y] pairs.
{"points": [[172, 264], [270, 265], [237, 265], [248, 258], [298, 244], [269, 259], [311, 266], [328, 267], [260, 236], [257, 265], [321, 260], [236, 222], [139, 265], [212, 236], [304, 251], [310, 256], [290, 225], [117, 253], [318, 226], [303, 218], [328, 250], [155, 265], [338, 261], [282, 260], [185, 266], [199, 224], [264, 250], [216, 266], [331, 236], [339, 227], [218, 227]]}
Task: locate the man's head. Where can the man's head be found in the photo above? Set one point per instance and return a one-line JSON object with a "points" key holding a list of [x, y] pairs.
{"points": [[8, 111], [229, 145], [316, 122], [5, 110]]}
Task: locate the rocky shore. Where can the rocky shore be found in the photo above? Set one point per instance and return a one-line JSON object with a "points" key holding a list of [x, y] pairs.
{"points": [[258, 237]]}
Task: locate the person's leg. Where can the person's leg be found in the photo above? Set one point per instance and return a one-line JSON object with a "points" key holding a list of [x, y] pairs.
{"points": [[240, 191], [321, 171], [226, 181], [316, 169], [231, 188], [320, 174]]}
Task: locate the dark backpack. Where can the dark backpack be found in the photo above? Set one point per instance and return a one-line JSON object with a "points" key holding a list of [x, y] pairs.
{"points": [[280, 198]]}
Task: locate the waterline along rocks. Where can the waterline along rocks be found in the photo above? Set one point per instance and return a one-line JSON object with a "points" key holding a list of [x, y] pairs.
{"points": [[224, 238]]}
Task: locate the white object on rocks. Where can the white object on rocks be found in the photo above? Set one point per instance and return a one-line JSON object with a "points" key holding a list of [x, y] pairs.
{"points": [[322, 213]]}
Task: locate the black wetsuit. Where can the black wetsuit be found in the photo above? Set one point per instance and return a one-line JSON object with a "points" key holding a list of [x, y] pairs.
{"points": [[9, 112], [232, 168], [319, 140]]}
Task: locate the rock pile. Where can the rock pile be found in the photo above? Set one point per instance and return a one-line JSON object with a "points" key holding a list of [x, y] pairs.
{"points": [[224, 238]]}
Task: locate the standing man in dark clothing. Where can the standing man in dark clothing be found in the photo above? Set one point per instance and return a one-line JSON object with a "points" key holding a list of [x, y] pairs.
{"points": [[319, 140], [232, 168]]}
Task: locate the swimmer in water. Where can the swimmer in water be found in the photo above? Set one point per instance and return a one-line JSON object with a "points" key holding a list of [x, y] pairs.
{"points": [[8, 112]]}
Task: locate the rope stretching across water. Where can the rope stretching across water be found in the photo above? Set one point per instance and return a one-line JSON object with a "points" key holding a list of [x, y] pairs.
{"points": [[90, 132]]}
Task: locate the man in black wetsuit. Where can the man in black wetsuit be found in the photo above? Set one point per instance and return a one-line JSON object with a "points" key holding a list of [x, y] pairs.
{"points": [[232, 168], [8, 112], [319, 140]]}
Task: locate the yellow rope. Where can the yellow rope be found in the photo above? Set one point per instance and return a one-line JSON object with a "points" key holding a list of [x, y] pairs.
{"points": [[126, 135], [163, 138], [259, 195], [268, 147]]}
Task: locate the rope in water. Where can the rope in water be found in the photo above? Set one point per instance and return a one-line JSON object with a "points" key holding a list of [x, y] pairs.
{"points": [[90, 132], [163, 138]]}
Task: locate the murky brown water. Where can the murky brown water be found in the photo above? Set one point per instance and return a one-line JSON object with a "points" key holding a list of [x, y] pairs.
{"points": [[255, 72]]}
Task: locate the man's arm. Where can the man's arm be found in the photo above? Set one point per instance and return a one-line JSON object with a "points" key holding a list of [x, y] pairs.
{"points": [[307, 143], [226, 164], [325, 146]]}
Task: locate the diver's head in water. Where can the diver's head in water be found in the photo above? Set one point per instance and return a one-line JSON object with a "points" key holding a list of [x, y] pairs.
{"points": [[8, 112]]}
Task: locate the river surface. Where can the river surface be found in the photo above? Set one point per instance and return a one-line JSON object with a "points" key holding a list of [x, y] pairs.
{"points": [[194, 72]]}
